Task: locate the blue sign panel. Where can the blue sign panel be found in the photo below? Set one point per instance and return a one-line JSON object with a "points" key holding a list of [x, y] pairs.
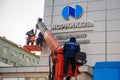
{"points": [[69, 11]]}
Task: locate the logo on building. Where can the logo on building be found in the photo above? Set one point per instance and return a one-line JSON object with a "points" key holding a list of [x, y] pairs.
{"points": [[69, 11]]}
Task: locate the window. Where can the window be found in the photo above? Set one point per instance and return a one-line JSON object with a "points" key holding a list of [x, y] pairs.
{"points": [[13, 63], [13, 78], [5, 49], [36, 78], [21, 56], [4, 60], [37, 62], [14, 53], [42, 78], [28, 59], [34, 61], [20, 65]]}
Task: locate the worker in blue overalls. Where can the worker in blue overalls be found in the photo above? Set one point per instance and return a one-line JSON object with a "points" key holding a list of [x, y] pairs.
{"points": [[70, 49]]}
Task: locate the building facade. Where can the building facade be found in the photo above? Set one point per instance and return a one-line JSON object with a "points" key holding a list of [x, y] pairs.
{"points": [[38, 73], [96, 30], [12, 54]]}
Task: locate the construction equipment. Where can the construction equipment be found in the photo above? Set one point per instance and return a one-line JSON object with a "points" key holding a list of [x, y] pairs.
{"points": [[56, 55]]}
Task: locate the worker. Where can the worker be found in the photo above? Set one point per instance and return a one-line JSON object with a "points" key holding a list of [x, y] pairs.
{"points": [[31, 37], [40, 39], [70, 49]]}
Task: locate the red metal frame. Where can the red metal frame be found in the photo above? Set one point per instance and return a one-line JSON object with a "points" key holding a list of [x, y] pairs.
{"points": [[30, 48], [55, 47]]}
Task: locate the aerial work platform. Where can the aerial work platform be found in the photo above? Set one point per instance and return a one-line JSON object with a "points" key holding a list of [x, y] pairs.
{"points": [[30, 48]]}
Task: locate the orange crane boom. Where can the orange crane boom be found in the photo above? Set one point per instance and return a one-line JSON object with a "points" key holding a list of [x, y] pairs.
{"points": [[56, 48], [49, 38]]}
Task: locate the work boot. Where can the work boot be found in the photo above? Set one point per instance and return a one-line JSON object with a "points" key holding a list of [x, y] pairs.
{"points": [[68, 78]]}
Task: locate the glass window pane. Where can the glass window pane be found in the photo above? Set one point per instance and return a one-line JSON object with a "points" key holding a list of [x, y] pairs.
{"points": [[4, 60], [5, 49]]}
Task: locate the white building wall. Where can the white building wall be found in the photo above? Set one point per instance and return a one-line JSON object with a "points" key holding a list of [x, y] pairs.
{"points": [[13, 79], [104, 36]]}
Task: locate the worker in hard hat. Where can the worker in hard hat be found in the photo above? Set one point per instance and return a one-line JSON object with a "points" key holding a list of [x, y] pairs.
{"points": [[40, 39], [70, 49], [31, 37]]}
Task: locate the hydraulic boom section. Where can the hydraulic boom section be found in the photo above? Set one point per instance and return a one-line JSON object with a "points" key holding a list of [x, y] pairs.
{"points": [[49, 38], [55, 48]]}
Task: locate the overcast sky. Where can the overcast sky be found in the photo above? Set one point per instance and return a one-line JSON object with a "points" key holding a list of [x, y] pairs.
{"points": [[19, 16]]}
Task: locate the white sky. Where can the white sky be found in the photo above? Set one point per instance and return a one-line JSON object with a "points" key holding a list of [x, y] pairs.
{"points": [[19, 16]]}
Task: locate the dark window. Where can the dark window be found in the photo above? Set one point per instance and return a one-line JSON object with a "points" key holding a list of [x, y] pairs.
{"points": [[4, 60]]}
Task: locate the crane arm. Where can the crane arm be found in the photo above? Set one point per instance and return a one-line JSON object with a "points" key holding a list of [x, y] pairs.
{"points": [[54, 46], [49, 38]]}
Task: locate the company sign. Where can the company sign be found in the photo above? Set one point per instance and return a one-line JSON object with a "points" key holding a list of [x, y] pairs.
{"points": [[73, 25], [69, 11]]}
